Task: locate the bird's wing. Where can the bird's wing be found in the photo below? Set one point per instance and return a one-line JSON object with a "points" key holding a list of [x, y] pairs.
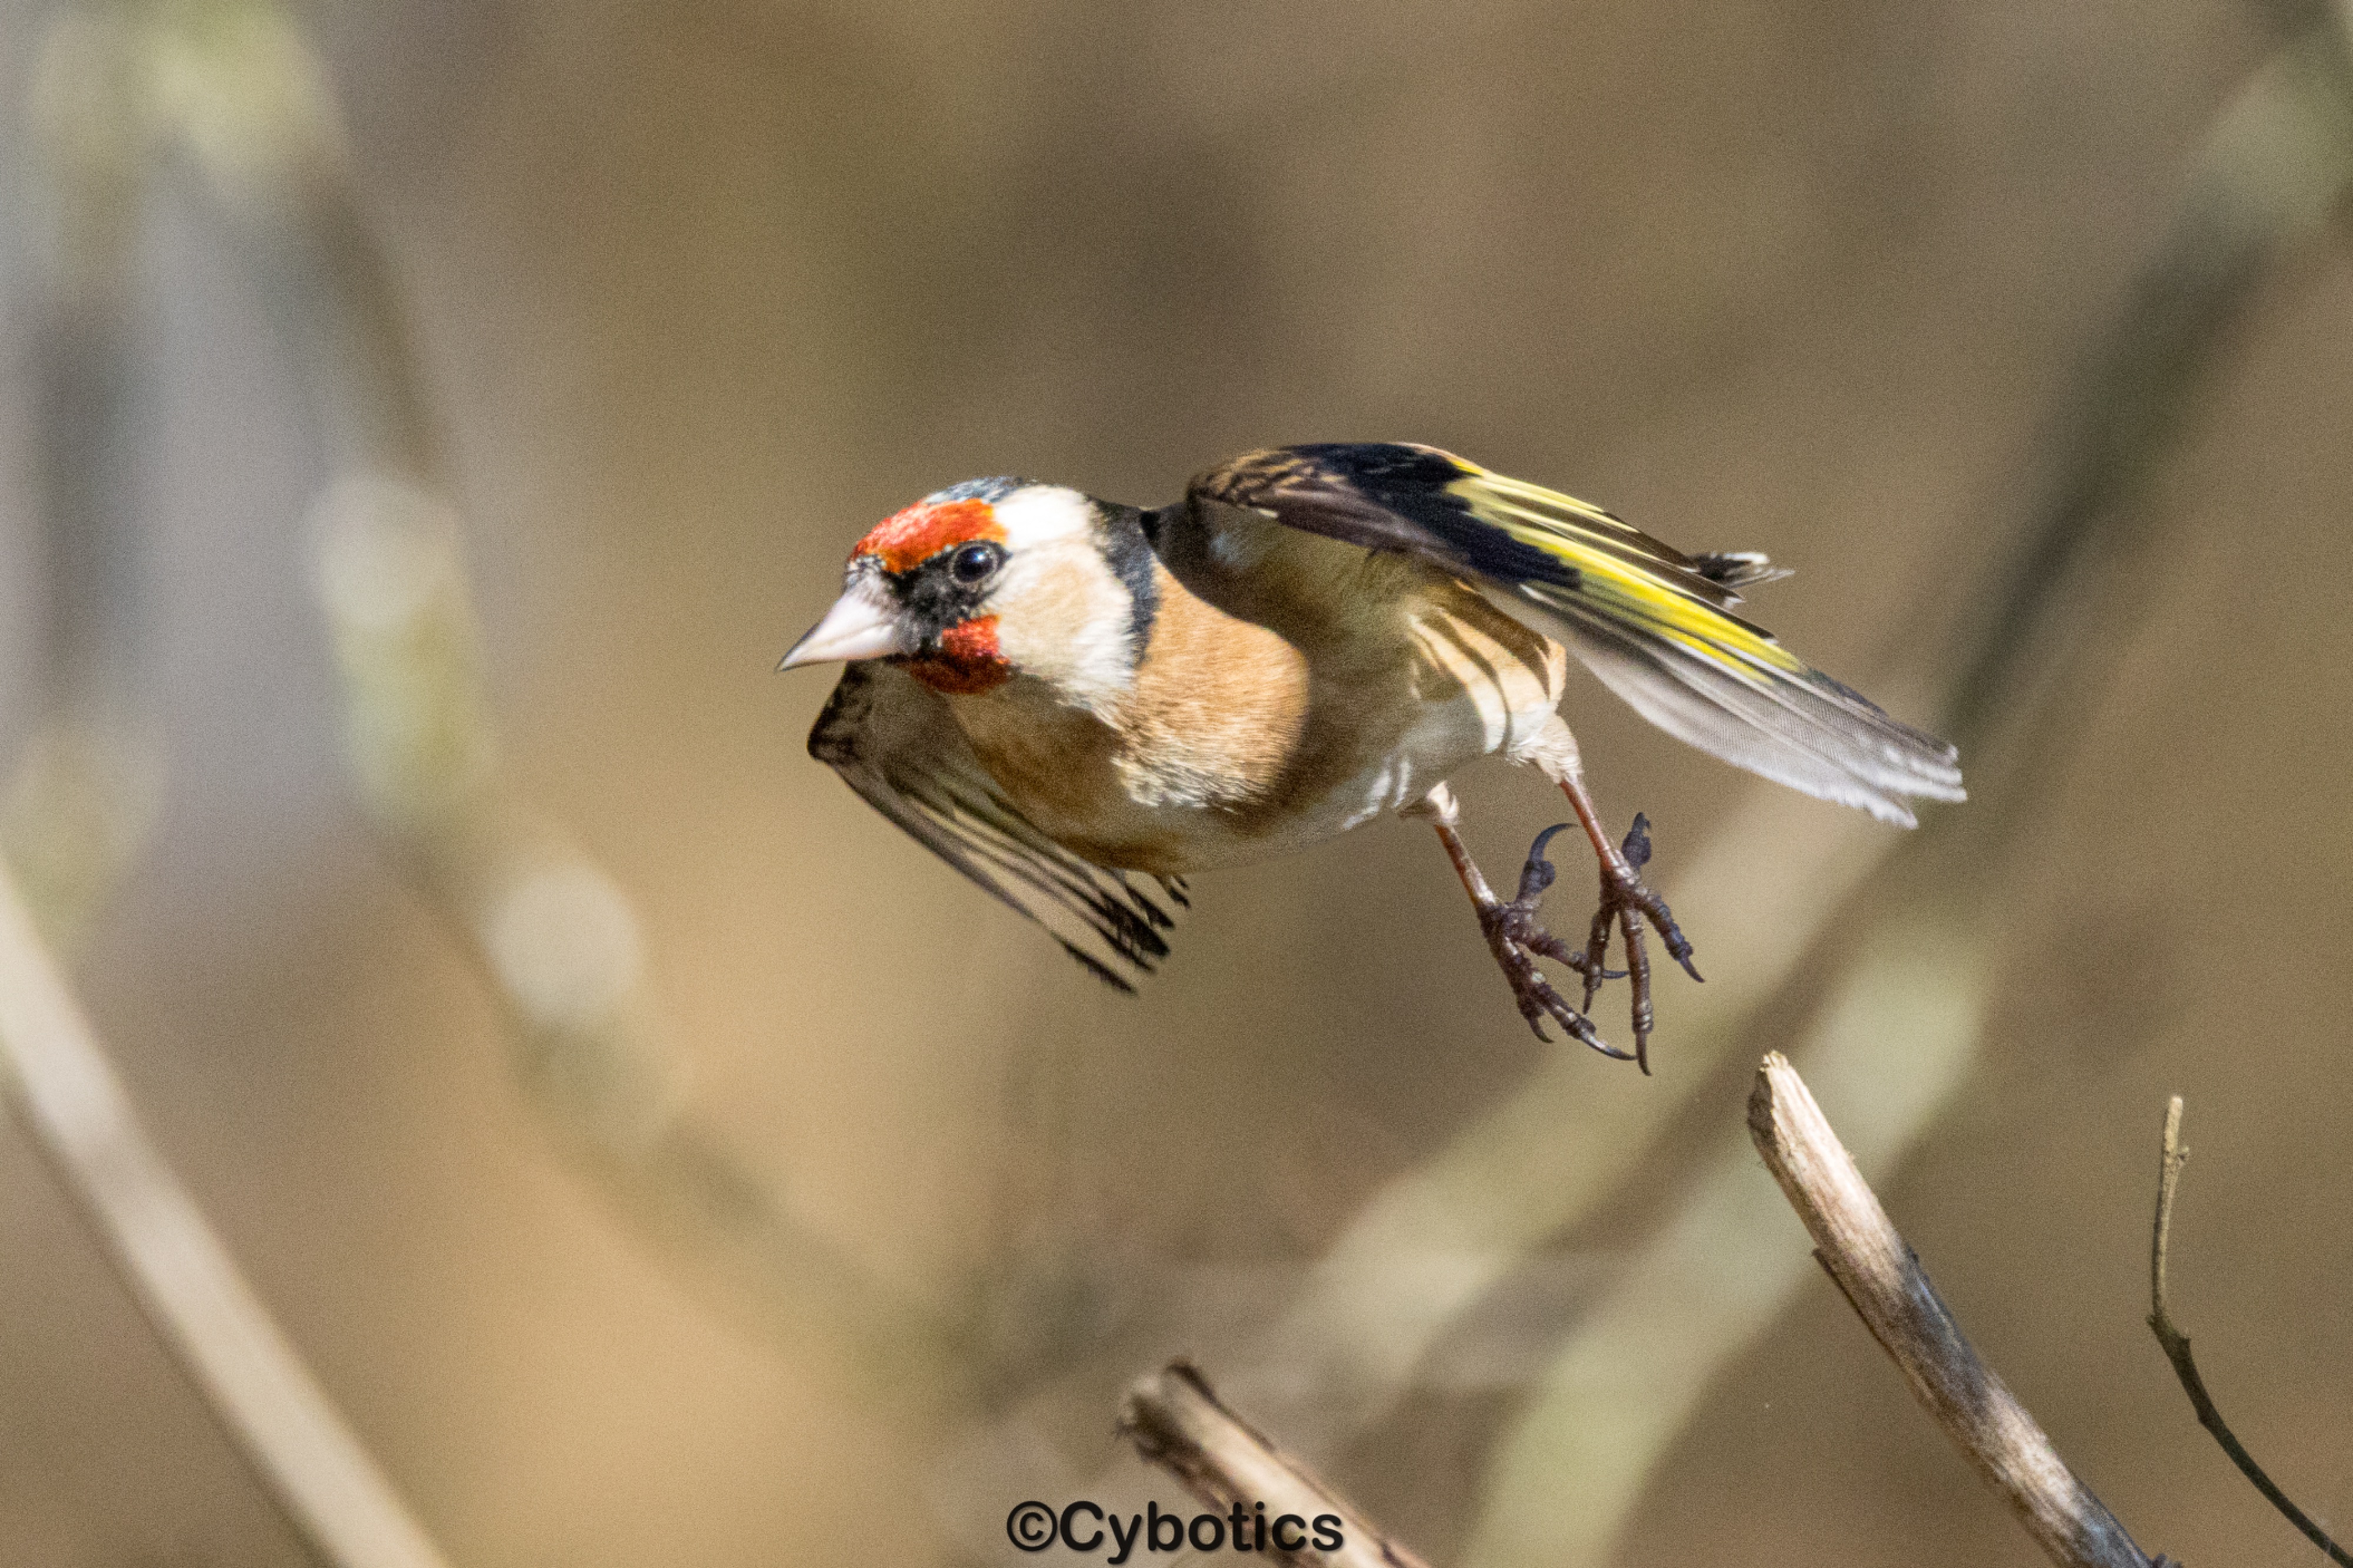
{"points": [[1654, 625], [893, 740]]}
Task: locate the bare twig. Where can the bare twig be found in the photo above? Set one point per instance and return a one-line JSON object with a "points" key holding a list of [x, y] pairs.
{"points": [[1860, 1248], [1177, 1421], [2177, 1344], [253, 1380]]}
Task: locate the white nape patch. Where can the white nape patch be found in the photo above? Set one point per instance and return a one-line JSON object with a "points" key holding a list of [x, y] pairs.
{"points": [[1044, 514], [1063, 616]]}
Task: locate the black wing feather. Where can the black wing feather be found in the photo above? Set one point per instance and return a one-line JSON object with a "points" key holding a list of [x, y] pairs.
{"points": [[893, 740], [1653, 624]]}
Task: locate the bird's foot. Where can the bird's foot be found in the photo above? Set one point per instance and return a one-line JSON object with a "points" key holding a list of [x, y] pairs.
{"points": [[1626, 901], [1516, 940]]}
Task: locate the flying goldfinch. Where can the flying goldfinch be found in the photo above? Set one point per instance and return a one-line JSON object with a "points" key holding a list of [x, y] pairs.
{"points": [[1078, 703]]}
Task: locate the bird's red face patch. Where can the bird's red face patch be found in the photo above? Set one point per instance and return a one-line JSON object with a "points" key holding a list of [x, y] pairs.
{"points": [[908, 538], [968, 661]]}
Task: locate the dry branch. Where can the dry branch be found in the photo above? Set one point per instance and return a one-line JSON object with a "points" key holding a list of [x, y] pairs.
{"points": [[253, 1380], [1176, 1421], [1860, 1249], [2177, 1344]]}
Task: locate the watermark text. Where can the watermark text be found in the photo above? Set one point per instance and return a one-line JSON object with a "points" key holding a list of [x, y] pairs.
{"points": [[1083, 1527]]}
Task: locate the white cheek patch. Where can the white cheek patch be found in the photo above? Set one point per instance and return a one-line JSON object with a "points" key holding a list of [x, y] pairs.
{"points": [[1064, 618], [1063, 614]]}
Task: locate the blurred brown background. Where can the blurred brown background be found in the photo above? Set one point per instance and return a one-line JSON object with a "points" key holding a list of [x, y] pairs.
{"points": [[700, 291]]}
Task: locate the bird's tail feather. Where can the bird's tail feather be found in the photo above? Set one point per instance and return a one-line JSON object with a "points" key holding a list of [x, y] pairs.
{"points": [[1717, 684]]}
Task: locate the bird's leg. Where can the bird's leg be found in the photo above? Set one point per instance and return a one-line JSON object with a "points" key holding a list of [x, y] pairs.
{"points": [[1626, 899], [1511, 929]]}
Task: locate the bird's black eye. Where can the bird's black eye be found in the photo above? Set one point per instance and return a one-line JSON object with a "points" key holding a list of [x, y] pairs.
{"points": [[976, 564]]}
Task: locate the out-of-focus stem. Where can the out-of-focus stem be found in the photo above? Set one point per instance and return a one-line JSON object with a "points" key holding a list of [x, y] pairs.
{"points": [[557, 938], [237, 85], [83, 795], [253, 1381], [2274, 165]]}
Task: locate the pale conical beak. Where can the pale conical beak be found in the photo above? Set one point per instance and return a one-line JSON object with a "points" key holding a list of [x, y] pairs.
{"points": [[862, 624]]}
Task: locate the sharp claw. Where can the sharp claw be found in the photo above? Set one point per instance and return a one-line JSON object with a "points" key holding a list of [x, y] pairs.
{"points": [[1587, 1035], [1582, 1029], [1614, 1054], [1535, 850], [1538, 874]]}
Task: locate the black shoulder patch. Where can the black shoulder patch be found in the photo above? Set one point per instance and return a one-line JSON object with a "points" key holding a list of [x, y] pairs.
{"points": [[1128, 547]]}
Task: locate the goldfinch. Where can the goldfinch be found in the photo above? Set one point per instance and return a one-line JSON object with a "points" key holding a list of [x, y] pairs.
{"points": [[1078, 703]]}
